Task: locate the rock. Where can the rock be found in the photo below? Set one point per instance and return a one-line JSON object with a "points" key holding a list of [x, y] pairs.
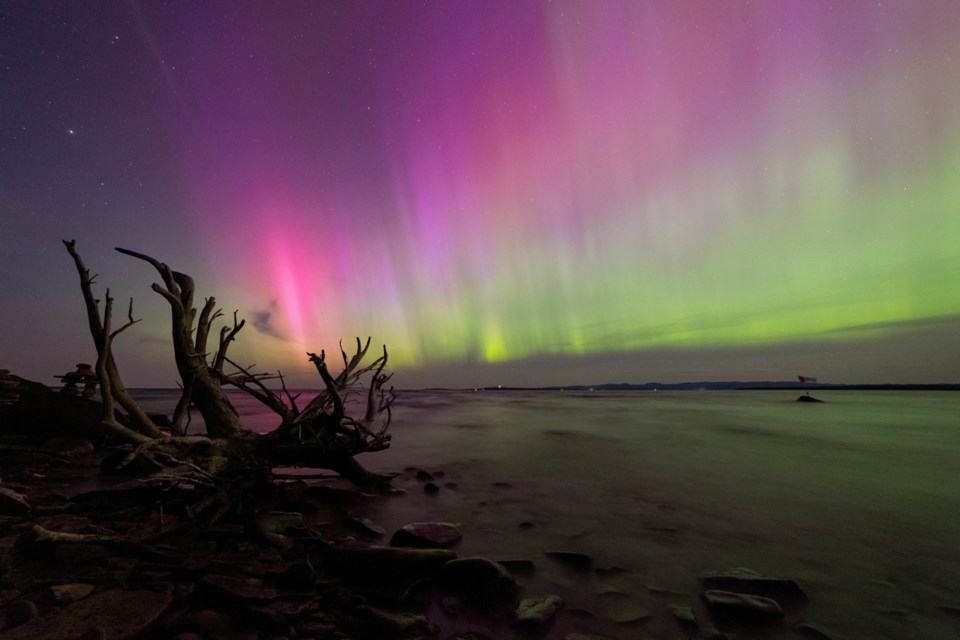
{"points": [[518, 565], [685, 616], [743, 580], [578, 561], [119, 614], [67, 593], [431, 488], [427, 535], [424, 476], [278, 521], [808, 399], [370, 622], [536, 615], [231, 589], [742, 608], [13, 503], [479, 580], [20, 612], [384, 563], [620, 608], [365, 527]]}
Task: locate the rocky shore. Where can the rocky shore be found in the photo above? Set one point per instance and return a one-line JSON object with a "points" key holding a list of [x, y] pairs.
{"points": [[89, 555]]}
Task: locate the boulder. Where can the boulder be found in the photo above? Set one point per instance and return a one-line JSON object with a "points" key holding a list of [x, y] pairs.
{"points": [[479, 581], [427, 535], [536, 615]]}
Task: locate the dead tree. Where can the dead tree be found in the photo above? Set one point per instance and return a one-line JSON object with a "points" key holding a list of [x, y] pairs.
{"points": [[323, 434]]}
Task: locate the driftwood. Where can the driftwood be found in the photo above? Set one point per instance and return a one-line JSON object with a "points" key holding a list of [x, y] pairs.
{"points": [[323, 434]]}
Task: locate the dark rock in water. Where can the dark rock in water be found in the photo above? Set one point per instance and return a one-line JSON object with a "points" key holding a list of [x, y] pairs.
{"points": [[365, 527], [427, 535], [742, 608], [424, 476], [480, 580], [111, 614], [536, 615], [13, 503], [685, 616], [808, 399], [431, 489], [578, 561], [743, 580]]}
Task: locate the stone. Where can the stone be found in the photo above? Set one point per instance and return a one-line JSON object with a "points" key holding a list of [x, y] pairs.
{"points": [[384, 563], [67, 593], [578, 561], [365, 527], [536, 615], [742, 607], [685, 616], [427, 535], [119, 613], [210, 620], [370, 622], [743, 580], [479, 580], [431, 489], [278, 522], [424, 476], [13, 503], [233, 589]]}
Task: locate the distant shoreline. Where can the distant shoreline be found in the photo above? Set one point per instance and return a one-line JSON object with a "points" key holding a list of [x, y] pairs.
{"points": [[728, 386]]}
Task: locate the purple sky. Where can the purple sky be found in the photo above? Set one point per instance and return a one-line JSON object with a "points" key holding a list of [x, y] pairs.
{"points": [[517, 193]]}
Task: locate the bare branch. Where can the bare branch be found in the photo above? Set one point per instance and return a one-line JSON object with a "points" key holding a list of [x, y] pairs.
{"points": [[226, 337]]}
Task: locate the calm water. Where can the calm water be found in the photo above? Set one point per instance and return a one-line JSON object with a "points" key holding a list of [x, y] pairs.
{"points": [[857, 498]]}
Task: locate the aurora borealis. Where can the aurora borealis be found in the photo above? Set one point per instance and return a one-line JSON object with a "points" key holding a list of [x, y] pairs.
{"points": [[501, 191]]}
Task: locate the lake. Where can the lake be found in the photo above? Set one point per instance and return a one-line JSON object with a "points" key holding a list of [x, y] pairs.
{"points": [[857, 498]]}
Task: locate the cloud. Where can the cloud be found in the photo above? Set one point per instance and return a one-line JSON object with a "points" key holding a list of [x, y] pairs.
{"points": [[262, 321]]}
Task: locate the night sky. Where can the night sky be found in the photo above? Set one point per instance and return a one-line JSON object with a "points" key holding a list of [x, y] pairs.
{"points": [[503, 192]]}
